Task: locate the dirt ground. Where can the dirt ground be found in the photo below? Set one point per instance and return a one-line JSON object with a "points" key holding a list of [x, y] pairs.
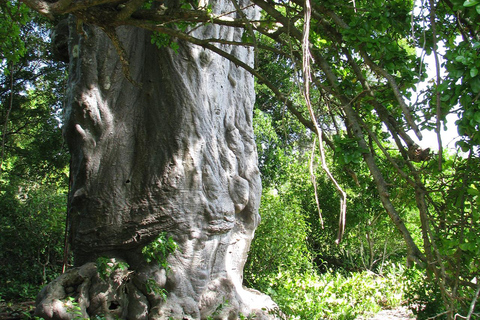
{"points": [[400, 313]]}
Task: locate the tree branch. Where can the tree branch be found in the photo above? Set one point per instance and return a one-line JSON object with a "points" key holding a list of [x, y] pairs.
{"points": [[438, 127], [129, 8], [396, 91]]}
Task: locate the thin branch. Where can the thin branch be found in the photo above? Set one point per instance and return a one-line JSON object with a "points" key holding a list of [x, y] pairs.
{"points": [[314, 181], [386, 153], [396, 91], [280, 18], [79, 5], [474, 301], [438, 127], [249, 28]]}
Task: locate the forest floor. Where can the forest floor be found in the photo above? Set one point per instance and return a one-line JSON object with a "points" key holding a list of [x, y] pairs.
{"points": [[16, 310], [22, 310], [400, 313]]}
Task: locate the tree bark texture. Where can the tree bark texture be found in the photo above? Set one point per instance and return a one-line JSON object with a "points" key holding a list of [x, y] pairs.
{"points": [[173, 153]]}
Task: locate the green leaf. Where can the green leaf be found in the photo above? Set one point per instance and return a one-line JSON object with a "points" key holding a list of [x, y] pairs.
{"points": [[467, 246], [473, 72], [478, 8], [470, 3], [174, 46], [473, 191], [475, 85], [476, 117]]}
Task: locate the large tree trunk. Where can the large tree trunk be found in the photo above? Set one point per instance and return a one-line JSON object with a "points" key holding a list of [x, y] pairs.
{"points": [[174, 153]]}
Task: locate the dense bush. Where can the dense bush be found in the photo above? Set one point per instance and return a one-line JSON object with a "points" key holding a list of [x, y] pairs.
{"points": [[335, 294], [279, 241], [31, 241]]}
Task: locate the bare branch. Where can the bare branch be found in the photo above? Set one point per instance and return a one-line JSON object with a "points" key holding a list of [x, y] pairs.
{"points": [[306, 93], [42, 7], [474, 301], [314, 181]]}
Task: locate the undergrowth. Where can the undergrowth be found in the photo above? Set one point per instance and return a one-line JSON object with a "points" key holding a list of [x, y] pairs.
{"points": [[335, 294]]}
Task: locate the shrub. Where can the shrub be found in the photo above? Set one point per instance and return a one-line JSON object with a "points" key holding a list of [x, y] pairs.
{"points": [[335, 295], [31, 240], [280, 240]]}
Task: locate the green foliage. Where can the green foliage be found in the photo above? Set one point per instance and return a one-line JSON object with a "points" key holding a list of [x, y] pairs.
{"points": [[290, 246], [422, 295], [153, 287], [289, 211], [334, 295], [459, 89], [159, 250], [162, 40], [15, 15], [106, 266], [280, 240], [455, 221], [74, 309], [347, 151], [371, 241], [33, 166], [462, 88], [438, 207], [31, 240], [372, 29], [218, 309], [241, 316]]}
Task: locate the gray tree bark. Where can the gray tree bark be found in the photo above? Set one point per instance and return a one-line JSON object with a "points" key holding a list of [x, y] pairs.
{"points": [[174, 153]]}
